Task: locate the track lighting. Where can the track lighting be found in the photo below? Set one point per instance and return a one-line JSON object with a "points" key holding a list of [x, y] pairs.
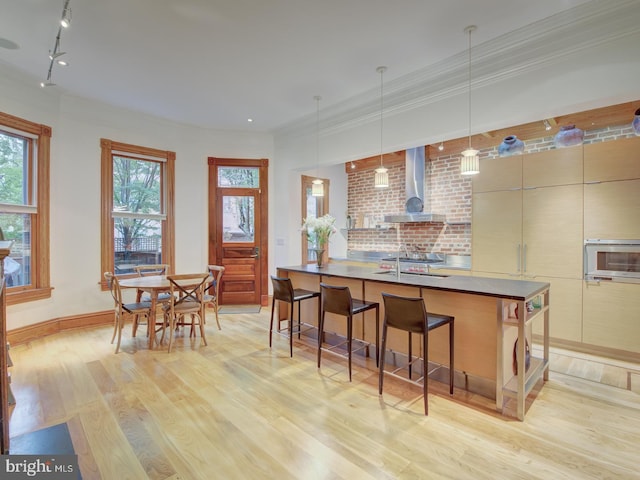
{"points": [[66, 15], [56, 52]]}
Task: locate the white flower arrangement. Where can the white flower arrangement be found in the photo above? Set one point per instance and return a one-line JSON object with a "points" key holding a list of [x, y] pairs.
{"points": [[319, 230]]}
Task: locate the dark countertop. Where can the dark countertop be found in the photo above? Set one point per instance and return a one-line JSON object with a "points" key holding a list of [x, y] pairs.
{"points": [[492, 287]]}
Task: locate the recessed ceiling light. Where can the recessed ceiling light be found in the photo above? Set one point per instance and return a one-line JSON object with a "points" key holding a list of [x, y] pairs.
{"points": [[249, 120]]}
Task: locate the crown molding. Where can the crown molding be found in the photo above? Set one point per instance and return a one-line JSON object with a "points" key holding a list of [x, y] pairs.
{"points": [[535, 46]]}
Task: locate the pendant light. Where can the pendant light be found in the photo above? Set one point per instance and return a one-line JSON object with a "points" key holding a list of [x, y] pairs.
{"points": [[470, 163], [382, 175], [317, 185]]}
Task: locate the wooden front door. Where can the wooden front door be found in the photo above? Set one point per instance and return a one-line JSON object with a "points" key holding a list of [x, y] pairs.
{"points": [[238, 220]]}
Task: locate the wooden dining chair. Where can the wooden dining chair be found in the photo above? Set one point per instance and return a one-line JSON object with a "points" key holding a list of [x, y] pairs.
{"points": [[121, 309], [212, 291], [187, 299], [146, 271]]}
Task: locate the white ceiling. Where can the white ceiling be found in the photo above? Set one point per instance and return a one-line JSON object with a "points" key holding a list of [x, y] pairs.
{"points": [[216, 63]]}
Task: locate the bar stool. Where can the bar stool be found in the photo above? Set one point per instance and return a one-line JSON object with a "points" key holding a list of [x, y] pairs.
{"points": [[283, 290], [410, 314], [338, 300]]}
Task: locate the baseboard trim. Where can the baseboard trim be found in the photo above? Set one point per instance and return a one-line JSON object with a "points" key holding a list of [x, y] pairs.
{"points": [[613, 353], [33, 332]]}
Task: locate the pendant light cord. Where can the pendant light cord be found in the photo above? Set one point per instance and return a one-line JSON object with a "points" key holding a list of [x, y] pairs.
{"points": [[381, 70], [317, 98], [469, 29]]}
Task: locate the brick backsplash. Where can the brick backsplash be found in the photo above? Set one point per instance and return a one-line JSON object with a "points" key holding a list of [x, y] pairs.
{"points": [[446, 192]]}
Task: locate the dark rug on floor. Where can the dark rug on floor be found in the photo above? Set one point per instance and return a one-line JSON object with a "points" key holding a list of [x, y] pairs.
{"points": [[239, 309], [50, 440]]}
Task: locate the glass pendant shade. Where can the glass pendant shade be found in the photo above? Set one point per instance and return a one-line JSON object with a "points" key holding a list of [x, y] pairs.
{"points": [[469, 163], [382, 178], [317, 188]]}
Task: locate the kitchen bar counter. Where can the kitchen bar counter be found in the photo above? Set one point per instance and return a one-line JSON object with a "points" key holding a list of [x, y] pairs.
{"points": [[487, 323], [492, 287]]}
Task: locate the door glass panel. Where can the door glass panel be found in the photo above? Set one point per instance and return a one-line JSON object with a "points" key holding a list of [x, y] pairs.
{"points": [[239, 177], [238, 219]]}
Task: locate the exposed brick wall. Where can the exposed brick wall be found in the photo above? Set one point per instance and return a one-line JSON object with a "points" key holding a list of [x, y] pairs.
{"points": [[446, 192]]}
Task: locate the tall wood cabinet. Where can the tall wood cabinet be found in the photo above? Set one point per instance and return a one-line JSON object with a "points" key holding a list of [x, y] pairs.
{"points": [[528, 223], [5, 389], [612, 210]]}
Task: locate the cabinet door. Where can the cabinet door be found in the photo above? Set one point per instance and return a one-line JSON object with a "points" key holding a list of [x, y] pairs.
{"points": [[565, 309], [612, 210], [607, 161], [497, 232], [500, 173], [553, 231], [561, 166], [610, 315]]}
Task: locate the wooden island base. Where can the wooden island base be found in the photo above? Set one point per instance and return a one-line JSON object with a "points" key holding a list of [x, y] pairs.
{"points": [[486, 327]]}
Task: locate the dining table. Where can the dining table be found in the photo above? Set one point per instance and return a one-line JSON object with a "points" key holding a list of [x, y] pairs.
{"points": [[154, 285]]}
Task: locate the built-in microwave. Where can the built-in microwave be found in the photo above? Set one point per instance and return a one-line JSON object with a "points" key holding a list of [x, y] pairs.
{"points": [[613, 260]]}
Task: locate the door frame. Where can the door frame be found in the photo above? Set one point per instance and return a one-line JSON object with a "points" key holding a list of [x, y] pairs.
{"points": [[215, 222]]}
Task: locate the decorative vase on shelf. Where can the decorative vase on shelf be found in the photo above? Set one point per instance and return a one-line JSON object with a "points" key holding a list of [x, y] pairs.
{"points": [[511, 145], [319, 256], [636, 123], [568, 136]]}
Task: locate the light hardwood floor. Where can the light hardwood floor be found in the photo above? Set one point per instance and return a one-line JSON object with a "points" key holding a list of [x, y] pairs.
{"points": [[237, 410]]}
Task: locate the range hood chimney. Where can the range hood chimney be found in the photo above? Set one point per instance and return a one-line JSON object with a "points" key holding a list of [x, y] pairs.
{"points": [[414, 186]]}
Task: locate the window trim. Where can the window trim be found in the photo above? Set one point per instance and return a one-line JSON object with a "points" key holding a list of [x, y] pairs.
{"points": [[40, 287], [306, 183], [108, 149]]}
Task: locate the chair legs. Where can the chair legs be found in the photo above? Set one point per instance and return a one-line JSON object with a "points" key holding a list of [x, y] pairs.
{"points": [[289, 326], [349, 341], [425, 363]]}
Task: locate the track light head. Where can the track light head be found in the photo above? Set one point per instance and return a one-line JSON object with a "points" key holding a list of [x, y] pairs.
{"points": [[66, 17]]}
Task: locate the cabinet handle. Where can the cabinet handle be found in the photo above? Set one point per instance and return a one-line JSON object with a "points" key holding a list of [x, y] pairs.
{"points": [[518, 270], [524, 258]]}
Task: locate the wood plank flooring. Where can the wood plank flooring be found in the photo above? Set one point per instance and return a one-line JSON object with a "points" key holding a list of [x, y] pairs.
{"points": [[237, 410]]}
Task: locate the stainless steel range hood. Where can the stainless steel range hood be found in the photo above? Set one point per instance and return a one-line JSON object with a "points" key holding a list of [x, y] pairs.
{"points": [[414, 181]]}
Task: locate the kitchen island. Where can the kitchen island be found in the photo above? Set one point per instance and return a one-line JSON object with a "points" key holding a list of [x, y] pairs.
{"points": [[488, 320]]}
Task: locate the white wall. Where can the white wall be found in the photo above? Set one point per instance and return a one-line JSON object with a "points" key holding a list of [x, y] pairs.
{"points": [[78, 124]]}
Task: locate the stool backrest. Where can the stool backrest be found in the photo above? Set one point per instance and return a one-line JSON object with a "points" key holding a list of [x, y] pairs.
{"points": [[336, 299], [405, 313], [282, 289]]}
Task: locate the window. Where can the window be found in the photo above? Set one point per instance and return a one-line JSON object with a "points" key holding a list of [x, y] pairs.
{"points": [[137, 207], [24, 207], [312, 207]]}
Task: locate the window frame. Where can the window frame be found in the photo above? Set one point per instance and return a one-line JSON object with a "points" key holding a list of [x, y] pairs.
{"points": [[109, 148], [306, 183], [40, 287]]}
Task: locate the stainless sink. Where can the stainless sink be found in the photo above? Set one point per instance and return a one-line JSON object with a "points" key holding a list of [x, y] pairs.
{"points": [[432, 275]]}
